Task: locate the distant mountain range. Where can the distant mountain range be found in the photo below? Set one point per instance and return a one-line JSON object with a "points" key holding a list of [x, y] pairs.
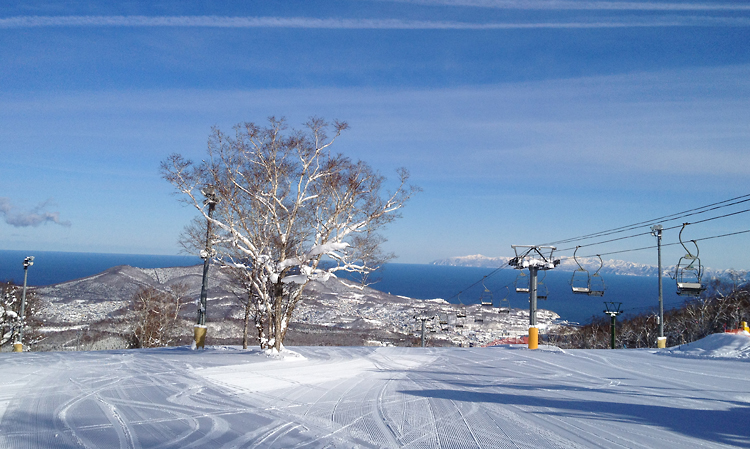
{"points": [[611, 266]]}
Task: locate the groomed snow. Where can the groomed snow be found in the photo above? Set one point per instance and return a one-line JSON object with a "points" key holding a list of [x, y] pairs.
{"points": [[507, 396], [733, 346]]}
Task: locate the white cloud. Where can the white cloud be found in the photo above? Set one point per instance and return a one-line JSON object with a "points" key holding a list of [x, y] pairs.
{"points": [[336, 23], [683, 122], [35, 217]]}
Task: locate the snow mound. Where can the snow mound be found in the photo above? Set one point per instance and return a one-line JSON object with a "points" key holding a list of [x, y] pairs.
{"points": [[271, 374], [285, 354], [733, 346]]}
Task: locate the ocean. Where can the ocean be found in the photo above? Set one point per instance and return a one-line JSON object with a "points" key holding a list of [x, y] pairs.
{"points": [[638, 294]]}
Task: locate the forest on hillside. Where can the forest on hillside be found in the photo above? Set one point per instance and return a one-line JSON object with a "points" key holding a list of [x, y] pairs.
{"points": [[724, 307]]}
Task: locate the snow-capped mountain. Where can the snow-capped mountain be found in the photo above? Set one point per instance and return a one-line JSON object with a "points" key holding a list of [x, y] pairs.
{"points": [[608, 266]]}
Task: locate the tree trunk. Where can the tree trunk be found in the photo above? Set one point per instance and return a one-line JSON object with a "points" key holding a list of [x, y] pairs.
{"points": [[278, 315], [248, 304]]}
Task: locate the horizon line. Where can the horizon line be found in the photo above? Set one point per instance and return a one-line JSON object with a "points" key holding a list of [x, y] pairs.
{"points": [[365, 24]]}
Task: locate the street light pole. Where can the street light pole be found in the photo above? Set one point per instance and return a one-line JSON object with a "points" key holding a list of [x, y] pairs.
{"points": [[661, 341], [18, 345], [199, 330]]}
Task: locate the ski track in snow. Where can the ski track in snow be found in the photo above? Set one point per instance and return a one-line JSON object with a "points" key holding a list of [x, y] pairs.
{"points": [[502, 397]]}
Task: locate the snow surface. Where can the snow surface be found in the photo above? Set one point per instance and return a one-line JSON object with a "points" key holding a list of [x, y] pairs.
{"points": [[734, 346], [316, 397]]}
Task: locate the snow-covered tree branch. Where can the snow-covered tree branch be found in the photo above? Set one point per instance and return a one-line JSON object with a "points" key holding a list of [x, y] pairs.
{"points": [[289, 212], [10, 319]]}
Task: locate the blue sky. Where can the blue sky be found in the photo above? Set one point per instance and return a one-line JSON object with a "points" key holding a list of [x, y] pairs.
{"points": [[523, 121]]}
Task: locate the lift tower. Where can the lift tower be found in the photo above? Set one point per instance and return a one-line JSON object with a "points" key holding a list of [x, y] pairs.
{"points": [[533, 258], [612, 309]]}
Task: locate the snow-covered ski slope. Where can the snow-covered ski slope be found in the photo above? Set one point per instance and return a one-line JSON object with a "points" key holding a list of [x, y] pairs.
{"points": [[502, 397]]}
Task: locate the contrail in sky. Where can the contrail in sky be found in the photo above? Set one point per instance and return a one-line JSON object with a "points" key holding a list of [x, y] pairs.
{"points": [[385, 24], [581, 5]]}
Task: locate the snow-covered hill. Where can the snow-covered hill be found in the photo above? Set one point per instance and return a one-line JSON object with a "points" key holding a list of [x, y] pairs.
{"points": [[335, 312], [343, 397]]}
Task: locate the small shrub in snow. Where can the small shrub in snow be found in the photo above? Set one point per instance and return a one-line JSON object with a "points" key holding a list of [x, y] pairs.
{"points": [[156, 316]]}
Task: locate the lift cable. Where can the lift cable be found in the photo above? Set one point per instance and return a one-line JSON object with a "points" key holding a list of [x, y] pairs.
{"points": [[503, 266], [670, 303], [683, 214], [649, 232], [678, 215], [668, 244]]}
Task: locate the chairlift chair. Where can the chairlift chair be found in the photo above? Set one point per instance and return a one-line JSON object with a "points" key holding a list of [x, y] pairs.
{"points": [[541, 288], [596, 281], [522, 283], [460, 313], [581, 281], [486, 297], [689, 270], [504, 304]]}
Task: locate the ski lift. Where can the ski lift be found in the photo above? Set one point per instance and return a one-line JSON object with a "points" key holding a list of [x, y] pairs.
{"points": [[461, 312], [443, 321], [504, 304], [541, 289], [581, 280], [596, 281], [522, 283], [486, 297], [689, 271]]}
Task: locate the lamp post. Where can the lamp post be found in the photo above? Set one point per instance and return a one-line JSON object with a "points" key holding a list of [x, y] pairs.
{"points": [[661, 341], [18, 345], [199, 330]]}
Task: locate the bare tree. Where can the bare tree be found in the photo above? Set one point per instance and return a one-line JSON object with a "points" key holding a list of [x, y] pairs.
{"points": [[289, 212], [242, 289], [157, 316]]}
